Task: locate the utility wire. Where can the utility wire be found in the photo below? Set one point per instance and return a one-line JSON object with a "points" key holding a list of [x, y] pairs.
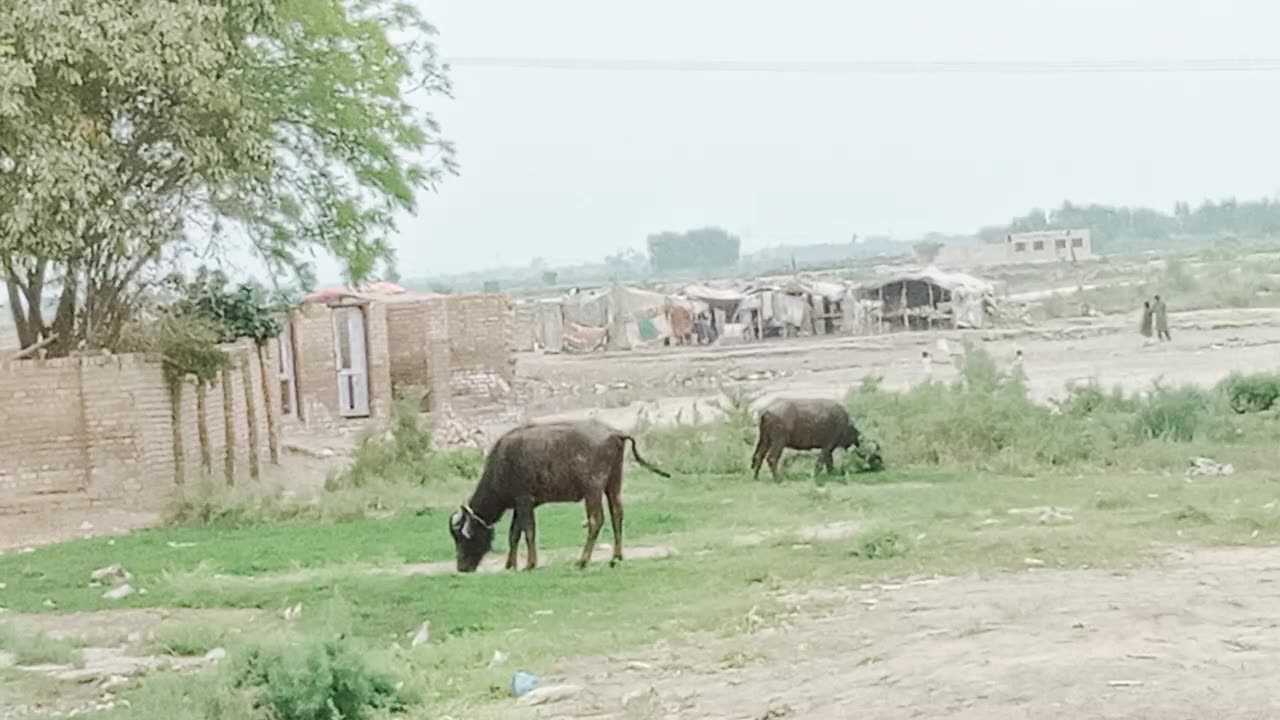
{"points": [[877, 67]]}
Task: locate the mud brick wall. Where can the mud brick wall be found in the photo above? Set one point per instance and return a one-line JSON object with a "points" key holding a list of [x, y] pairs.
{"points": [[480, 353], [89, 432], [418, 349]]}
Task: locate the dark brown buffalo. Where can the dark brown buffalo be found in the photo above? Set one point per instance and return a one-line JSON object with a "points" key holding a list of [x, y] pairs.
{"points": [[803, 425], [545, 463]]}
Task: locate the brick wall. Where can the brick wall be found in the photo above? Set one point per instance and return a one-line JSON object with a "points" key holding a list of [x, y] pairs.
{"points": [[105, 431], [480, 355]]}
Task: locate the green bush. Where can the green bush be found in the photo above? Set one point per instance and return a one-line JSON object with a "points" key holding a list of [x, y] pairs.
{"points": [[315, 680], [1179, 414], [1253, 393]]}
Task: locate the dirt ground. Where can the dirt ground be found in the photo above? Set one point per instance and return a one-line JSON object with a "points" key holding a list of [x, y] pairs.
{"points": [[670, 384], [1194, 637]]}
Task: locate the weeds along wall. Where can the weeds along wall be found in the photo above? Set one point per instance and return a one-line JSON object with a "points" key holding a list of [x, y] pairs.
{"points": [[110, 431]]}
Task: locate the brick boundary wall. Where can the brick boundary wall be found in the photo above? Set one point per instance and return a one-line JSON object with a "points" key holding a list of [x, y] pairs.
{"points": [[108, 431]]}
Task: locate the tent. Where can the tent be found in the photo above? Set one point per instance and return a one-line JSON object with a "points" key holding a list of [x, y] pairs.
{"points": [[923, 299]]}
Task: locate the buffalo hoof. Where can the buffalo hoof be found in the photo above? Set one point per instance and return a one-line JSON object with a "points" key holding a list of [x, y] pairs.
{"points": [[615, 562]]}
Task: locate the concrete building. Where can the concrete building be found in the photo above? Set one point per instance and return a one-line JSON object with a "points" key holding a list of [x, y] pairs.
{"points": [[1016, 248], [1049, 245]]}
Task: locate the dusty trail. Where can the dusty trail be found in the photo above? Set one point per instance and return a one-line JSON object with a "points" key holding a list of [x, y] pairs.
{"points": [[1195, 638]]}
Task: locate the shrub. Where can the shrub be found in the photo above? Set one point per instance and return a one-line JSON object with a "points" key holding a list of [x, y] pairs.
{"points": [[880, 545], [1254, 393], [315, 680], [403, 454], [1174, 414]]}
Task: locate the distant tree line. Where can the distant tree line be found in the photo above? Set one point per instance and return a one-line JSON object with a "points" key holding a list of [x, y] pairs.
{"points": [[1119, 227]]}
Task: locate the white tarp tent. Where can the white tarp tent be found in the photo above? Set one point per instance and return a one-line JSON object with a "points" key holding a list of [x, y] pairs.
{"points": [[928, 297]]}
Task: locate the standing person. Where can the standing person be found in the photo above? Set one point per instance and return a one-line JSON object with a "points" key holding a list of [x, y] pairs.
{"points": [[1162, 319], [1146, 319]]}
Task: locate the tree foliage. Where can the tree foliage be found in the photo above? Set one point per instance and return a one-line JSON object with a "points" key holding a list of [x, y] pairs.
{"points": [[703, 249], [135, 134], [240, 311]]}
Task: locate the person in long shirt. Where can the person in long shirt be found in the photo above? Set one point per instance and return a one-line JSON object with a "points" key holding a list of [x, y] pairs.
{"points": [[1162, 319]]}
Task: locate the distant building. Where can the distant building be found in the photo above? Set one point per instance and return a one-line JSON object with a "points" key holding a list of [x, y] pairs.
{"points": [[1017, 248], [1046, 245]]}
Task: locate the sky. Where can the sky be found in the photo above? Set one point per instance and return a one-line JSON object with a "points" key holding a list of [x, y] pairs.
{"points": [[572, 165]]}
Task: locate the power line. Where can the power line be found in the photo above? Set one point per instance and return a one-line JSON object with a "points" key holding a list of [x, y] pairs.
{"points": [[877, 67]]}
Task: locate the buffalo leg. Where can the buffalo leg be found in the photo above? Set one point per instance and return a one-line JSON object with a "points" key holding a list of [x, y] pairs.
{"points": [[614, 494], [775, 454], [595, 520], [757, 458], [825, 460], [531, 538], [517, 526]]}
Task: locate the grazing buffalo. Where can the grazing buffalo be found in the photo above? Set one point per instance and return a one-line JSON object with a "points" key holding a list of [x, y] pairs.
{"points": [[803, 425], [545, 463]]}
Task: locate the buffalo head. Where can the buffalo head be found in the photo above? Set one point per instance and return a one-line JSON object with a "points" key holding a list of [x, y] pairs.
{"points": [[852, 438], [472, 537]]}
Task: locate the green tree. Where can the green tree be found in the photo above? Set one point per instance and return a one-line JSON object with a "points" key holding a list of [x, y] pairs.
{"points": [[704, 249], [134, 133]]}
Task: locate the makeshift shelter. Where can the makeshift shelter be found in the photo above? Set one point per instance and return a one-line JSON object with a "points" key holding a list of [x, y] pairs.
{"points": [[721, 307], [620, 317], [922, 300]]}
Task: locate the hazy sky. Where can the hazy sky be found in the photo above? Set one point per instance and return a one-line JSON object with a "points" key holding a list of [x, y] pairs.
{"points": [[573, 165]]}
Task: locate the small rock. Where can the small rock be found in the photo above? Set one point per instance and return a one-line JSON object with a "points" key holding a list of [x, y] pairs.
{"points": [[49, 604], [1124, 683], [118, 592], [637, 665], [1033, 562], [113, 682], [4, 586], [111, 575], [642, 703], [86, 526], [180, 545], [293, 613], [422, 636], [26, 551], [498, 658], [550, 694], [216, 655]]}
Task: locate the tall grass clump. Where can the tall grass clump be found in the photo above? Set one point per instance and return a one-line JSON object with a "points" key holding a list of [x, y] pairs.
{"points": [[403, 454], [694, 446], [986, 420]]}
